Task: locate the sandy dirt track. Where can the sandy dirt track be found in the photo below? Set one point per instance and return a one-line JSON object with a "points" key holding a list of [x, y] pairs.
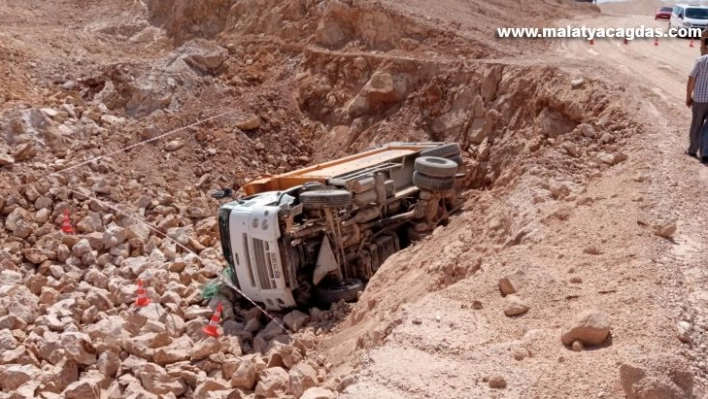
{"points": [[663, 68]]}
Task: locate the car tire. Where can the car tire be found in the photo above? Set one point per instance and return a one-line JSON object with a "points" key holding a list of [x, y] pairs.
{"points": [[326, 199], [435, 166], [428, 183], [346, 292], [443, 151]]}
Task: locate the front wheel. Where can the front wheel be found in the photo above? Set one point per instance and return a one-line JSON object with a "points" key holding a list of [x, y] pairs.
{"points": [[347, 291], [326, 199]]}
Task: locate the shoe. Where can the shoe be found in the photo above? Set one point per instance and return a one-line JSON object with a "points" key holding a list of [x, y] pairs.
{"points": [[704, 160], [691, 154]]}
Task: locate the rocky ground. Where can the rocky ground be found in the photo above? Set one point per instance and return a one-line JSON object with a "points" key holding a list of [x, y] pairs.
{"points": [[573, 270]]}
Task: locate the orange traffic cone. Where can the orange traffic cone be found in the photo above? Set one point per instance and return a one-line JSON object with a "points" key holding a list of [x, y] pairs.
{"points": [[691, 43], [211, 329], [142, 300], [592, 42], [626, 42], [656, 41], [66, 223]]}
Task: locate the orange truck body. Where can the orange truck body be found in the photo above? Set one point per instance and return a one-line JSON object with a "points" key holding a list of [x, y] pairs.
{"points": [[338, 167]]}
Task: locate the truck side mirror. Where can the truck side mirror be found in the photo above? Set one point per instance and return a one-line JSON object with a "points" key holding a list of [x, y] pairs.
{"points": [[223, 193]]}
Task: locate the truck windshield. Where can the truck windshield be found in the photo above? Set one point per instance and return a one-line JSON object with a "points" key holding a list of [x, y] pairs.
{"points": [[224, 213], [697, 13]]}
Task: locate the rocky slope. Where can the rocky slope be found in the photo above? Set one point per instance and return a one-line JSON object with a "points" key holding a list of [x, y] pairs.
{"points": [[224, 91]]}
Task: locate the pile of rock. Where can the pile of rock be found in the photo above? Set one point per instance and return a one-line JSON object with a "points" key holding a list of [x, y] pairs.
{"points": [[147, 352], [86, 342], [69, 326], [509, 287]]}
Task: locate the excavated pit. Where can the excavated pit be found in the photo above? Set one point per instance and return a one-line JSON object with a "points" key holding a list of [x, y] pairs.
{"points": [[292, 84]]}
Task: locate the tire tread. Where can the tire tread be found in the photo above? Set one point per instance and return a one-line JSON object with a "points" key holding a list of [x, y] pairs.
{"points": [[433, 183]]}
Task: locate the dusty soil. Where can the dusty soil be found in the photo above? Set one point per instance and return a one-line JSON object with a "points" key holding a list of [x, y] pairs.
{"points": [[577, 191], [592, 248]]}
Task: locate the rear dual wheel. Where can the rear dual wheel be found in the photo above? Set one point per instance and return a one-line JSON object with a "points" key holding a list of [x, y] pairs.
{"points": [[429, 183], [435, 166], [435, 173], [443, 151]]}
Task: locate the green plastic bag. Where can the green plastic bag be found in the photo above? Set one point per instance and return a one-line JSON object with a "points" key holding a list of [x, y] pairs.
{"points": [[212, 288]]}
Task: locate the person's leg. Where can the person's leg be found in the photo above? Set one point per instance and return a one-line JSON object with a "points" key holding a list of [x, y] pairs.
{"points": [[697, 120], [701, 136], [703, 144]]}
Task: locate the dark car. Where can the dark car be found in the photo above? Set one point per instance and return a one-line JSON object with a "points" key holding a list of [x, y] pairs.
{"points": [[663, 13]]}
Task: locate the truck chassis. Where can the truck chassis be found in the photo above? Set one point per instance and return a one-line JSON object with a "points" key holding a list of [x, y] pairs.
{"points": [[322, 232]]}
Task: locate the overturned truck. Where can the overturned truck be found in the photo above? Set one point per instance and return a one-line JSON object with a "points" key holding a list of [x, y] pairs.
{"points": [[321, 232]]}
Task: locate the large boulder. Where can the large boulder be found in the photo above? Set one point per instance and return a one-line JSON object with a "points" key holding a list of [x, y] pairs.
{"points": [[205, 348], [178, 351], [14, 376], [156, 380], [656, 378], [381, 92], [245, 376], [296, 320], [591, 327], [515, 306], [78, 347], [273, 381], [86, 388], [302, 377]]}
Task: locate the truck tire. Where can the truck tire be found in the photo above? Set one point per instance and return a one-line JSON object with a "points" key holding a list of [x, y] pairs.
{"points": [[443, 151], [326, 199], [346, 292], [435, 166], [457, 159], [313, 186], [433, 183], [415, 235]]}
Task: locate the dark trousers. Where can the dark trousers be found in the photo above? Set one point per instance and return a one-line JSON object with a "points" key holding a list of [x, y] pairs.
{"points": [[697, 137]]}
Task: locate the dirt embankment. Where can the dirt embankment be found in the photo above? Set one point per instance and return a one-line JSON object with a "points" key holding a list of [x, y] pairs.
{"points": [[283, 85], [633, 7]]}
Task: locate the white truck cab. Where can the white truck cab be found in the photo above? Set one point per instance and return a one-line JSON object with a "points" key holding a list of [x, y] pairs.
{"points": [[250, 233]]}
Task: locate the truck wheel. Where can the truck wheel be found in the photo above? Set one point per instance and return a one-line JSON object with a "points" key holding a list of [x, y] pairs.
{"points": [[433, 183], [346, 292], [415, 235], [326, 199], [435, 166], [444, 151], [457, 159], [313, 186]]}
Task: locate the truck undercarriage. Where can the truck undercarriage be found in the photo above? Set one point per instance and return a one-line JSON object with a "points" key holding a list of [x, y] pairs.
{"points": [[327, 232]]}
